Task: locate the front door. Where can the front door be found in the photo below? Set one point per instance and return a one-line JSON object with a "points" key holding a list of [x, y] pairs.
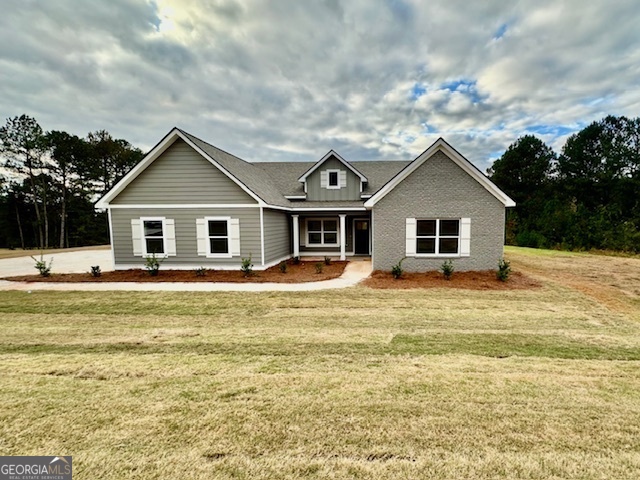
{"points": [[361, 237]]}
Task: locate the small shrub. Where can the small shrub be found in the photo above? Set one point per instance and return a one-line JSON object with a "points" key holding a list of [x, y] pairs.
{"points": [[152, 264], [42, 267], [504, 270], [246, 267], [95, 271], [327, 261], [319, 267], [200, 272], [283, 266], [296, 260], [447, 269], [396, 270]]}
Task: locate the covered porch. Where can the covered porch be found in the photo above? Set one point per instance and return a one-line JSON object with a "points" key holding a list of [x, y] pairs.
{"points": [[331, 234]]}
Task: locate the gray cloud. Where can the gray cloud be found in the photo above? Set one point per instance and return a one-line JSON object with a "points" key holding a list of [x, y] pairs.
{"points": [[288, 80]]}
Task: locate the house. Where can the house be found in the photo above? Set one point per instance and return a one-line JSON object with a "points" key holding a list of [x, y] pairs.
{"points": [[196, 205]]}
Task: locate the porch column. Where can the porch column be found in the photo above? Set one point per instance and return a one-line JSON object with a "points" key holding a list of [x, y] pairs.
{"points": [[296, 236], [343, 236]]}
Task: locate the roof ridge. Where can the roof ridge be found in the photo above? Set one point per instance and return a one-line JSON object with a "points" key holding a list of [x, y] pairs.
{"points": [[213, 146]]}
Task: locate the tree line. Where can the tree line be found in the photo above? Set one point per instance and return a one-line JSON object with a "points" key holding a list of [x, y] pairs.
{"points": [[49, 182], [586, 197]]}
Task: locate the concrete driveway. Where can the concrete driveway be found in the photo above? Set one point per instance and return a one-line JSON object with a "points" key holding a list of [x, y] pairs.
{"points": [[81, 261], [68, 262]]}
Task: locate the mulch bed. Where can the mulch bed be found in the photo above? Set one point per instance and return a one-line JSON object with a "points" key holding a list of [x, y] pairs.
{"points": [[303, 272], [479, 280]]}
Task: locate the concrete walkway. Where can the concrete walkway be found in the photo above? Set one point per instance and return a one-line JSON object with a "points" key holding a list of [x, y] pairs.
{"points": [[78, 262]]}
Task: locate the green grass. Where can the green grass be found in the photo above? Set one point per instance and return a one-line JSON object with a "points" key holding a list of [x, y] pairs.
{"points": [[357, 383]]}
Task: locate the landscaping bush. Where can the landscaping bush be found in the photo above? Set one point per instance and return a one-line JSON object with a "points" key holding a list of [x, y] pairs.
{"points": [[447, 269], [296, 260], [319, 267], [247, 267], [504, 270], [327, 260], [95, 271], [200, 272], [283, 266], [397, 270], [42, 267], [152, 264]]}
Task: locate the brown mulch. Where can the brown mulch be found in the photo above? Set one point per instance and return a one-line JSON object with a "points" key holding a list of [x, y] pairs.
{"points": [[479, 280], [303, 272]]}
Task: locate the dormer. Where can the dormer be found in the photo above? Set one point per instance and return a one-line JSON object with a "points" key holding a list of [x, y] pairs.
{"points": [[333, 178]]}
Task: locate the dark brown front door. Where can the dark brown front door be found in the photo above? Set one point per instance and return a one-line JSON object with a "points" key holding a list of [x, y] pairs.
{"points": [[361, 237]]}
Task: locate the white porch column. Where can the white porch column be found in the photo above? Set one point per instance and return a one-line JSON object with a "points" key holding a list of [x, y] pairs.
{"points": [[343, 237], [296, 236]]}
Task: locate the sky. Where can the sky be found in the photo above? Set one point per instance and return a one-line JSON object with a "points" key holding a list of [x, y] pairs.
{"points": [[283, 80]]}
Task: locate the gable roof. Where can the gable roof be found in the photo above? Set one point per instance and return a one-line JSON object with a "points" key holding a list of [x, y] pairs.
{"points": [[330, 154], [242, 173], [285, 175], [268, 183], [458, 159]]}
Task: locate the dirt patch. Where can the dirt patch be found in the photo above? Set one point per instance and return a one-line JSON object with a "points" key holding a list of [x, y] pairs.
{"points": [[296, 273], [483, 280]]}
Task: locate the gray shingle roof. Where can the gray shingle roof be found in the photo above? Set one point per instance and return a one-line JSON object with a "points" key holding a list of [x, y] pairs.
{"points": [[271, 181]]}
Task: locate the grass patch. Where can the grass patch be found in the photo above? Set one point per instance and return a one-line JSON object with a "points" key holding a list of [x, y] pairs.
{"points": [[508, 345], [359, 383]]}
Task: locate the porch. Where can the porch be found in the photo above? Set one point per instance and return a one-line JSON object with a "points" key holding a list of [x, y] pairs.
{"points": [[329, 234]]}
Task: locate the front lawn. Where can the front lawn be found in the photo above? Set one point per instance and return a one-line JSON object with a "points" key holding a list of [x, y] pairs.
{"points": [[540, 383]]}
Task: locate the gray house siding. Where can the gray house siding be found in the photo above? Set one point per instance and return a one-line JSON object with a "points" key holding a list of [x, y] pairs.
{"points": [[438, 189], [186, 237], [277, 235], [182, 176], [315, 192]]}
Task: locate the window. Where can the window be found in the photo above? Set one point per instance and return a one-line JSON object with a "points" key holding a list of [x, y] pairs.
{"points": [[333, 179], [437, 237], [153, 237], [322, 232], [218, 232], [218, 237]]}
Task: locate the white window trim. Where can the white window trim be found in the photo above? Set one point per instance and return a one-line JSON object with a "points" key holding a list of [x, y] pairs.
{"points": [[146, 254], [206, 225], [322, 232], [437, 238], [329, 172]]}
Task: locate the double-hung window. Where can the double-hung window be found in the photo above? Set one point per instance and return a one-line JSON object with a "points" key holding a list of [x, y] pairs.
{"points": [[218, 235], [153, 232], [322, 232], [153, 236]]}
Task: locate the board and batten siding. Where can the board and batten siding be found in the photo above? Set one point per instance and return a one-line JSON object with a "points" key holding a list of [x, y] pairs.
{"points": [[277, 236], [186, 236], [315, 192], [438, 189], [182, 176]]}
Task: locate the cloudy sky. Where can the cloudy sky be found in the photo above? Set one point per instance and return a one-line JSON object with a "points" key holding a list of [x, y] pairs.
{"points": [[290, 79]]}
